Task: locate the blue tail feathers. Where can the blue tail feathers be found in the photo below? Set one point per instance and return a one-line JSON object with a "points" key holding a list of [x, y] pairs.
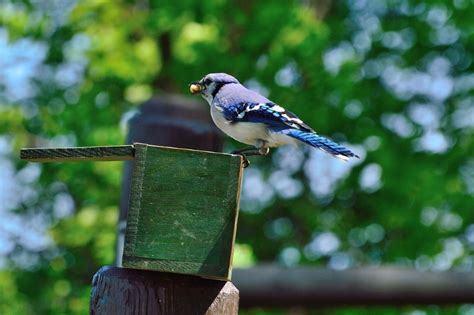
{"points": [[319, 142]]}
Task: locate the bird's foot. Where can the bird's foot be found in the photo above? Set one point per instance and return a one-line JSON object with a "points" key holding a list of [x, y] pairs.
{"points": [[264, 151], [242, 153], [245, 160]]}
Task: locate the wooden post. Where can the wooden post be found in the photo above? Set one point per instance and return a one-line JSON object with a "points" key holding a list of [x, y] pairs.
{"points": [[126, 291]]}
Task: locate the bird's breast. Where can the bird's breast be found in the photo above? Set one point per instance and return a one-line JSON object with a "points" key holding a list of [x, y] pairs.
{"points": [[244, 132]]}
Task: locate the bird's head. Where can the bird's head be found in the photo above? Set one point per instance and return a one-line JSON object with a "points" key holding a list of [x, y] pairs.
{"points": [[211, 84]]}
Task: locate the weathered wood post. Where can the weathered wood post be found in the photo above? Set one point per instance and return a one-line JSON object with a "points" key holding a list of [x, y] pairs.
{"points": [[181, 222], [127, 291]]}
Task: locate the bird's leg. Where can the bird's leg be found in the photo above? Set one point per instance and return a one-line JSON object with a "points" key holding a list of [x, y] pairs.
{"points": [[262, 147], [259, 149], [243, 150]]}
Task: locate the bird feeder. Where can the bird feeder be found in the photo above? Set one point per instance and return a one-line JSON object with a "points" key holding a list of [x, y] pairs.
{"points": [[183, 205]]}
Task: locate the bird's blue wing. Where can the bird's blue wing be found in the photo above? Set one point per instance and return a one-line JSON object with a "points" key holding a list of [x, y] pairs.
{"points": [[280, 121], [273, 115]]}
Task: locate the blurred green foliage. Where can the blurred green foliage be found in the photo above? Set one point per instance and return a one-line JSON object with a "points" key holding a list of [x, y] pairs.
{"points": [[393, 77]]}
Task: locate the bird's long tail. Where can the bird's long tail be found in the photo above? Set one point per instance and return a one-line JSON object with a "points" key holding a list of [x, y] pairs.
{"points": [[322, 143]]}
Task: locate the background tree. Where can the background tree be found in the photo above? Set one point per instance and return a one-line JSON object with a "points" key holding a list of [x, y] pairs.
{"points": [[391, 79]]}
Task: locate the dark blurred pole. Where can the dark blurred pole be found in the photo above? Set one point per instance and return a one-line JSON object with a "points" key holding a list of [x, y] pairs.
{"points": [[168, 120], [273, 286]]}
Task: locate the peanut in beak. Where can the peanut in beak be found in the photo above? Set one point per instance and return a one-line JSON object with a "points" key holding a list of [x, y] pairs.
{"points": [[195, 88]]}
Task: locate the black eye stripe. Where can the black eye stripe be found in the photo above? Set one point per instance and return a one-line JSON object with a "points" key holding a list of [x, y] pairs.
{"points": [[207, 81]]}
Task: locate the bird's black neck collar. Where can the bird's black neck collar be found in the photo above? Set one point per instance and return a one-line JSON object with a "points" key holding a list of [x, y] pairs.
{"points": [[217, 88]]}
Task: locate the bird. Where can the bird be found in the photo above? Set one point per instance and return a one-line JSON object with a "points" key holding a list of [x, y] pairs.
{"points": [[252, 119]]}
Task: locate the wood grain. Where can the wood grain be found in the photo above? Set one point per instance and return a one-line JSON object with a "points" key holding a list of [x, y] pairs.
{"points": [[127, 291], [102, 153], [183, 211]]}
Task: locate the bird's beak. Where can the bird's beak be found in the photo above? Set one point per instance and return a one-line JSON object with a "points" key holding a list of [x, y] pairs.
{"points": [[196, 87]]}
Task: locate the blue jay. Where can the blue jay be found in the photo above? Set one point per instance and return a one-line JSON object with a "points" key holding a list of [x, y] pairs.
{"points": [[250, 118]]}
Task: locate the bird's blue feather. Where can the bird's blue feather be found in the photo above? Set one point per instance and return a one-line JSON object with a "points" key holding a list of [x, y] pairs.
{"points": [[317, 141], [269, 113]]}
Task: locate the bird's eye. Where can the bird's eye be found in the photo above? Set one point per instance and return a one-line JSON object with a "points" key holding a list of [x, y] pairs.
{"points": [[207, 81]]}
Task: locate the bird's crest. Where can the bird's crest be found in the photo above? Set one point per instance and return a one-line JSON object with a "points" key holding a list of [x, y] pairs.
{"points": [[220, 78]]}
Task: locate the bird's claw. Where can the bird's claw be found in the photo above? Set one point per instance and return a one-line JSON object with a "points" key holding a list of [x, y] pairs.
{"points": [[245, 160]]}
